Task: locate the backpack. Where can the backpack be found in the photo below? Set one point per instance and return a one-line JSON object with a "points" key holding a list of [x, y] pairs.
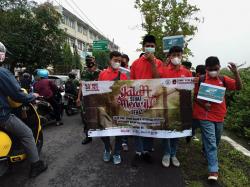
{"points": [[118, 77], [69, 87]]}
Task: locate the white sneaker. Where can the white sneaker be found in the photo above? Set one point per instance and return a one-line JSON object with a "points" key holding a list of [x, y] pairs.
{"points": [[166, 161], [175, 161]]}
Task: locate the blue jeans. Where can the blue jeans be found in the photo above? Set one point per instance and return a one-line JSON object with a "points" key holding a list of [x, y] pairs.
{"points": [[211, 134], [170, 146], [143, 144], [118, 144], [125, 139]]}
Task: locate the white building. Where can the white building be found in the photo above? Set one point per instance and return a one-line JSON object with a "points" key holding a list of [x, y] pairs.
{"points": [[80, 34]]}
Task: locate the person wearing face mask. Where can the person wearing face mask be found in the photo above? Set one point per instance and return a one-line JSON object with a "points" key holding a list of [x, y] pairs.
{"points": [[173, 69], [145, 68], [211, 115], [112, 73], [91, 73]]}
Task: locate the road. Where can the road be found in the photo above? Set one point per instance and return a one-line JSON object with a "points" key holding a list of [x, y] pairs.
{"points": [[73, 164]]}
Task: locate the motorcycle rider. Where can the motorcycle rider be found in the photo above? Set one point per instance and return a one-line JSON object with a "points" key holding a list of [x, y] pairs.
{"points": [[91, 73], [9, 87], [72, 84], [26, 81], [46, 88]]}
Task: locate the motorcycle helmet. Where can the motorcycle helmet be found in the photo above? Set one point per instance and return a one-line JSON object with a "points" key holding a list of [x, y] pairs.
{"points": [[2, 52], [42, 73], [26, 75], [72, 75]]}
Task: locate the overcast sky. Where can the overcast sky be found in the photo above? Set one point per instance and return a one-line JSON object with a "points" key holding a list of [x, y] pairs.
{"points": [[224, 33]]}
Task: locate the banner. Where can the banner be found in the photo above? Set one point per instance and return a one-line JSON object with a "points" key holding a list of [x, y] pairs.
{"points": [[160, 108]]}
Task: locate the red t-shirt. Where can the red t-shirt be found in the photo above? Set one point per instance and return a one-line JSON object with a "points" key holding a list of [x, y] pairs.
{"points": [[218, 110], [169, 71], [142, 69], [111, 74]]}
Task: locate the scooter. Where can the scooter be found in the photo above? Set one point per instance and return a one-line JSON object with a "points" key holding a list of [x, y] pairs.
{"points": [[46, 111], [70, 104], [11, 150]]}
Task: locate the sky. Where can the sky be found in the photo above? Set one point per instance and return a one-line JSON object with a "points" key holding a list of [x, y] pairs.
{"points": [[224, 32]]}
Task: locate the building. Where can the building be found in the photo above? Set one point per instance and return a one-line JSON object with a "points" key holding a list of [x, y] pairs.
{"points": [[80, 34]]}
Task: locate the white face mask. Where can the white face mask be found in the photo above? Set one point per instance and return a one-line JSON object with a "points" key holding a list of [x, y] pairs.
{"points": [[176, 61], [2, 56], [213, 73], [149, 50], [115, 65]]}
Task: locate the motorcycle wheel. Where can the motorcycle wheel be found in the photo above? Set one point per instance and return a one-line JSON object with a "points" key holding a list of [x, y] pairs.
{"points": [[4, 166], [39, 144]]}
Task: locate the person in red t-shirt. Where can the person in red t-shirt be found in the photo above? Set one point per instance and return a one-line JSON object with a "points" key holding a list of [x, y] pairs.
{"points": [[112, 73], [211, 115], [145, 68], [174, 69]]}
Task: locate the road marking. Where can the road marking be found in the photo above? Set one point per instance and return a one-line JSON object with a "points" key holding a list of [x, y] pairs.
{"points": [[236, 145]]}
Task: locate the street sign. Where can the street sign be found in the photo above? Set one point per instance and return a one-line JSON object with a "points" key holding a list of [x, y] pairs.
{"points": [[171, 41], [100, 45]]}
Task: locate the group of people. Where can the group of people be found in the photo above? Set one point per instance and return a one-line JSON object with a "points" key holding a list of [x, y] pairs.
{"points": [[208, 116]]}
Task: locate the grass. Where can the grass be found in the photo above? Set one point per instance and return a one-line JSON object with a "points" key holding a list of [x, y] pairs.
{"points": [[234, 166]]}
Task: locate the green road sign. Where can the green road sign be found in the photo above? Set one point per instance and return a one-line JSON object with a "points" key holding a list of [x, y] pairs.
{"points": [[100, 45]]}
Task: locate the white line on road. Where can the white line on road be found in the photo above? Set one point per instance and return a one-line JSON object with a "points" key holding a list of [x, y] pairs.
{"points": [[237, 146]]}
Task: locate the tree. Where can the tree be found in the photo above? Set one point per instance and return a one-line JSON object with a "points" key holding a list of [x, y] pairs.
{"points": [[169, 18], [31, 33], [67, 55], [102, 59]]}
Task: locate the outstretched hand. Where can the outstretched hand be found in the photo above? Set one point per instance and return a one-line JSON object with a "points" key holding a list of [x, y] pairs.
{"points": [[232, 67]]}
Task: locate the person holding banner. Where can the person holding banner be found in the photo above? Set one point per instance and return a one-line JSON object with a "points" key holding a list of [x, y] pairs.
{"points": [[112, 73], [173, 70], [89, 74], [145, 68], [210, 113]]}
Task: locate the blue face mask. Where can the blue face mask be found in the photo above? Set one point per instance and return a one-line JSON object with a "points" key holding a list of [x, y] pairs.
{"points": [[149, 50]]}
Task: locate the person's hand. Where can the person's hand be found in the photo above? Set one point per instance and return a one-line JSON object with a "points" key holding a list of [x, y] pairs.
{"points": [[36, 95], [150, 57], [232, 67], [78, 102], [196, 80], [207, 106]]}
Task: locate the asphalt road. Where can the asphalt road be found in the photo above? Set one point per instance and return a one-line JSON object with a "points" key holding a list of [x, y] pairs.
{"points": [[73, 164]]}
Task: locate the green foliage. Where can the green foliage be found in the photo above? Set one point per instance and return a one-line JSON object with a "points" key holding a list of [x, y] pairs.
{"points": [[234, 166], [238, 116], [168, 18], [31, 33], [67, 55], [102, 59]]}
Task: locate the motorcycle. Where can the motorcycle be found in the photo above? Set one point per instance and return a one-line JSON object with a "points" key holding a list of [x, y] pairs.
{"points": [[11, 149], [70, 104], [46, 111]]}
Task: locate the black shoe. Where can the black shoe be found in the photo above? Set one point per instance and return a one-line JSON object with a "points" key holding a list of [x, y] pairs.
{"points": [[37, 168], [87, 140], [147, 157], [136, 160]]}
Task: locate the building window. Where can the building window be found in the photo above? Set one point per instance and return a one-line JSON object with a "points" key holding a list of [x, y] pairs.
{"points": [[71, 23], [72, 42], [79, 45], [81, 29]]}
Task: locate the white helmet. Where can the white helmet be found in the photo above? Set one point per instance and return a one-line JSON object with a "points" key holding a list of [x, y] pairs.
{"points": [[2, 52]]}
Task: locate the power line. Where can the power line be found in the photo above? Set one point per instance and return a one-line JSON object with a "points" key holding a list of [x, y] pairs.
{"points": [[86, 17]]}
